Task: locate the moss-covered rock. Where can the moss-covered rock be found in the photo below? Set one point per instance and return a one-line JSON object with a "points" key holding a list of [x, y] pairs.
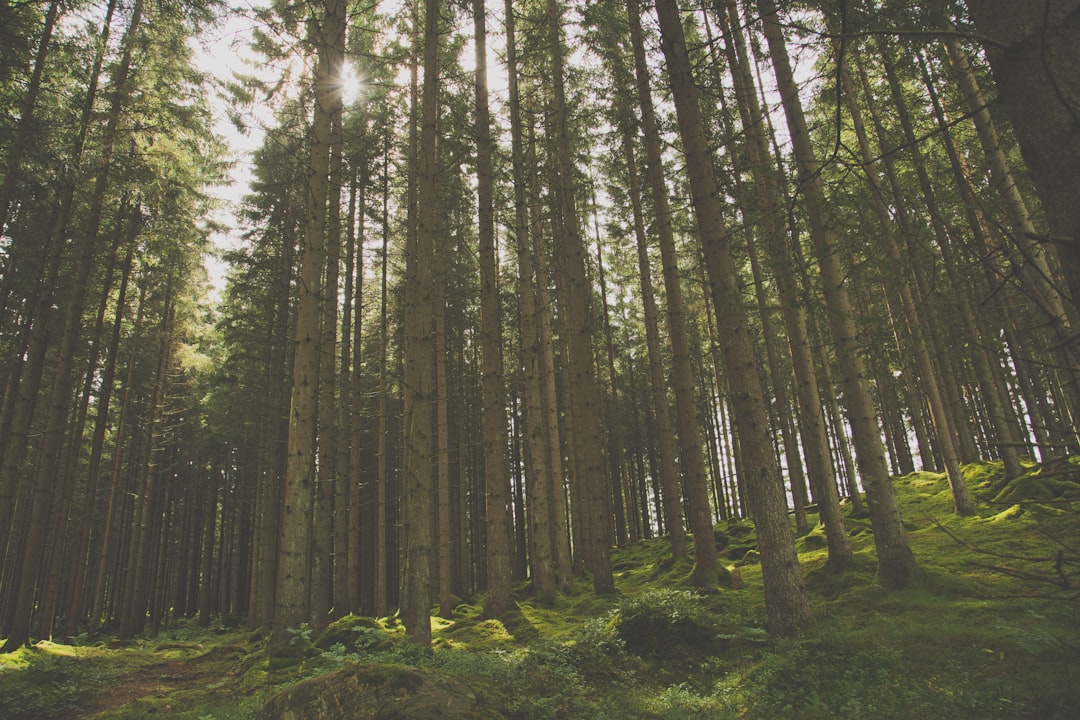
{"points": [[386, 692]]}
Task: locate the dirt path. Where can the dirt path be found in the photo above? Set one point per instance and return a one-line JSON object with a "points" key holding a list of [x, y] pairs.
{"points": [[166, 685]]}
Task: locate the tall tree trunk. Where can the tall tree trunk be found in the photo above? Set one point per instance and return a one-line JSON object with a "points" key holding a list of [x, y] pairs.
{"points": [[616, 455], [785, 596], [496, 509], [540, 472], [593, 523], [811, 417], [324, 555], [418, 468], [443, 522], [382, 460], [671, 494], [912, 319], [292, 602], [895, 559]]}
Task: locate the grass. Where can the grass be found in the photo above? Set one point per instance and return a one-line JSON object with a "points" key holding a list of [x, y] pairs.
{"points": [[988, 627]]}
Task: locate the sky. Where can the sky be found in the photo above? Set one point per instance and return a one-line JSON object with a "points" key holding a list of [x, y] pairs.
{"points": [[221, 51]]}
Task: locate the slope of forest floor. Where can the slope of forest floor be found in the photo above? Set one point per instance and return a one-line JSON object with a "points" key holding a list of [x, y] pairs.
{"points": [[989, 627]]}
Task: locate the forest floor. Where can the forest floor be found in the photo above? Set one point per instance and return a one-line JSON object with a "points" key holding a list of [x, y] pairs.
{"points": [[988, 627]]}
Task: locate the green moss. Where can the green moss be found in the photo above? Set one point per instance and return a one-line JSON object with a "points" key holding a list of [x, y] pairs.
{"points": [[712, 576], [471, 634], [394, 677], [1013, 512]]}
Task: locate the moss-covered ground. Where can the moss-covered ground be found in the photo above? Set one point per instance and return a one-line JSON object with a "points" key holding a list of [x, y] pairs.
{"points": [[988, 627]]}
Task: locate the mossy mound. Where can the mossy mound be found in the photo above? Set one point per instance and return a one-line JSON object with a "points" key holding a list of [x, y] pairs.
{"points": [[1040, 487], [672, 626], [472, 634], [375, 691], [741, 538], [830, 583], [1054, 482], [356, 634], [708, 577]]}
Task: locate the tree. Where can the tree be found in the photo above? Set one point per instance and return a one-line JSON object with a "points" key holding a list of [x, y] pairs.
{"points": [[1031, 50], [496, 471], [895, 559], [785, 596], [19, 632], [769, 219], [418, 466], [292, 597], [592, 529]]}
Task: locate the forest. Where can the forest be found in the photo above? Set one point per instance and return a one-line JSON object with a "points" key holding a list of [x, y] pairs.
{"points": [[599, 358]]}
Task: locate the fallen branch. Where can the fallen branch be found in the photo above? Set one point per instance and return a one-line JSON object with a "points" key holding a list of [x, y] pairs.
{"points": [[1062, 582]]}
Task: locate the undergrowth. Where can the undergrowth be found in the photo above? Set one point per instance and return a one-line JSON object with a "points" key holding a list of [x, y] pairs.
{"points": [[987, 628]]}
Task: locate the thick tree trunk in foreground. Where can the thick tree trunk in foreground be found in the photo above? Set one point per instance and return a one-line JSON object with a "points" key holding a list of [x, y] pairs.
{"points": [[1033, 56]]}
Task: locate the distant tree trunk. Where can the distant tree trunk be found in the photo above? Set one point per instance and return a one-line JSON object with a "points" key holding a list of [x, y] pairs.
{"points": [[354, 574], [927, 373], [443, 522], [785, 596], [895, 559], [555, 523], [134, 601], [382, 460], [347, 497], [97, 446], [540, 476], [671, 495], [616, 455], [592, 525], [496, 509]]}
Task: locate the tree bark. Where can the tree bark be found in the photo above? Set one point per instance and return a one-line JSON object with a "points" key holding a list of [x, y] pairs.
{"points": [[418, 470], [497, 509], [785, 596], [895, 559], [294, 566], [592, 526]]}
